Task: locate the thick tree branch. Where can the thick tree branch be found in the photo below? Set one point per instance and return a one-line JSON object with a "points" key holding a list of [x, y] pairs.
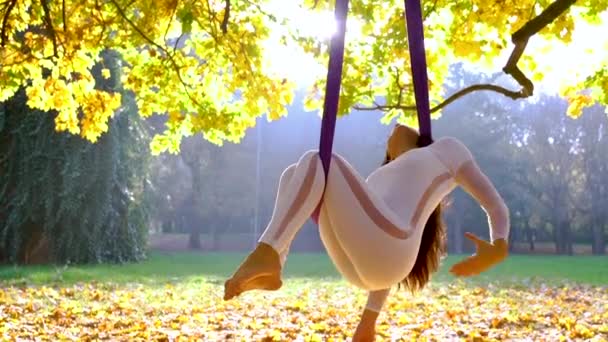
{"points": [[65, 24], [3, 34], [545, 18], [512, 69], [174, 64], [224, 25], [520, 39], [49, 25]]}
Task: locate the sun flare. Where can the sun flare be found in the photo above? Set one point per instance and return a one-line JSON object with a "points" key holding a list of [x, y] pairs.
{"points": [[290, 61]]}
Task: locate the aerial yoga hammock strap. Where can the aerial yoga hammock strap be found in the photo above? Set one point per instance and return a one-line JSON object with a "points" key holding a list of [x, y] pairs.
{"points": [[415, 38], [332, 92], [334, 77]]}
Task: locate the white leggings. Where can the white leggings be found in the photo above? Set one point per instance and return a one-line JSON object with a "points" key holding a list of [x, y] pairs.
{"points": [[369, 244]]}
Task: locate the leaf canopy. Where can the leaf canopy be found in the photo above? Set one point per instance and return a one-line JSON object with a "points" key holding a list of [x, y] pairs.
{"points": [[210, 71]]}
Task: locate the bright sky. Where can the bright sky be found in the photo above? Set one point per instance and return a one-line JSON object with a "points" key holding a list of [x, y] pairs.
{"points": [[559, 62], [294, 63]]}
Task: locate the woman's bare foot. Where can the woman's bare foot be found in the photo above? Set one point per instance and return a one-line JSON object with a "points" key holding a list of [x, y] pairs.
{"points": [[260, 271]]}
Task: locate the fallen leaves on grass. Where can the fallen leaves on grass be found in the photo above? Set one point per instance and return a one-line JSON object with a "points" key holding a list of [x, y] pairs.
{"points": [[302, 310]]}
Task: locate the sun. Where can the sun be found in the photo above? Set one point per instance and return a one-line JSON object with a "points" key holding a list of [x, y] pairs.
{"points": [[290, 61]]}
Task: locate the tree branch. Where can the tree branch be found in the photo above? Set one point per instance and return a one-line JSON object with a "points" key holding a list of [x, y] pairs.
{"points": [[224, 25], [545, 18], [520, 39], [9, 8], [49, 25], [167, 53], [470, 89], [259, 8], [103, 21], [433, 9], [170, 21], [65, 25]]}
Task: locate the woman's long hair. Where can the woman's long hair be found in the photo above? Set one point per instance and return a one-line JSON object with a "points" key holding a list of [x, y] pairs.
{"points": [[432, 246]]}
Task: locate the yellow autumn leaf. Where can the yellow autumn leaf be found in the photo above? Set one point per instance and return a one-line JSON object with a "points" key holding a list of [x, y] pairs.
{"points": [[576, 104]]}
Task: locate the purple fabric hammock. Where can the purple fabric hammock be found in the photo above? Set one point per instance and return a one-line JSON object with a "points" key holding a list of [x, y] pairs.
{"points": [[415, 33]]}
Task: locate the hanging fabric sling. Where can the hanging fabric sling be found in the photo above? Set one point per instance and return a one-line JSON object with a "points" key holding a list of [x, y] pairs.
{"points": [[415, 35]]}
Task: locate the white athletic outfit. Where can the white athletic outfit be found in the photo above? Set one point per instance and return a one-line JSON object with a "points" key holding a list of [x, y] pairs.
{"points": [[372, 228]]}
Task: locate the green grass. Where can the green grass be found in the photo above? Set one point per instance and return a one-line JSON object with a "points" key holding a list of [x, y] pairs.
{"points": [[162, 268]]}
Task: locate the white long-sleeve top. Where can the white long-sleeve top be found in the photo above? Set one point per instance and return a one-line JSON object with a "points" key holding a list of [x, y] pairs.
{"points": [[428, 175], [372, 228]]}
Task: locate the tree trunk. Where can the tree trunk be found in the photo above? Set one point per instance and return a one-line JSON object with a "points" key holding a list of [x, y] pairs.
{"points": [[194, 242], [512, 239], [531, 238], [558, 238], [197, 189], [562, 227], [215, 238], [598, 245], [36, 249], [568, 239]]}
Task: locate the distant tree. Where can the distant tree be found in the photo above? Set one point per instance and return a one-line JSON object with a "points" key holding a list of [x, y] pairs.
{"points": [[170, 185], [549, 141], [593, 143], [544, 164]]}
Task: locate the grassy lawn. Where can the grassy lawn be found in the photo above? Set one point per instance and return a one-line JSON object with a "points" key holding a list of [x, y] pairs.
{"points": [[177, 297], [164, 267]]}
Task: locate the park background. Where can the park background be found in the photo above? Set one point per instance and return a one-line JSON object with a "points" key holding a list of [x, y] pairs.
{"points": [[102, 237]]}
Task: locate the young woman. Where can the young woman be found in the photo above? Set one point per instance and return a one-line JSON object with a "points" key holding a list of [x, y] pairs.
{"points": [[381, 231]]}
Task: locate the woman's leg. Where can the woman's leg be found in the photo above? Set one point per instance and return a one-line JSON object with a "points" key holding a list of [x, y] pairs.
{"points": [[285, 181], [300, 190], [336, 252], [375, 239]]}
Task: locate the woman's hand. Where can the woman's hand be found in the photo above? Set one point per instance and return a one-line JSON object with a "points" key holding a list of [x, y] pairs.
{"points": [[487, 255]]}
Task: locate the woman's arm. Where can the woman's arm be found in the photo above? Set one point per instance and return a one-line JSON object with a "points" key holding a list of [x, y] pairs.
{"points": [[459, 160], [468, 175], [475, 182]]}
